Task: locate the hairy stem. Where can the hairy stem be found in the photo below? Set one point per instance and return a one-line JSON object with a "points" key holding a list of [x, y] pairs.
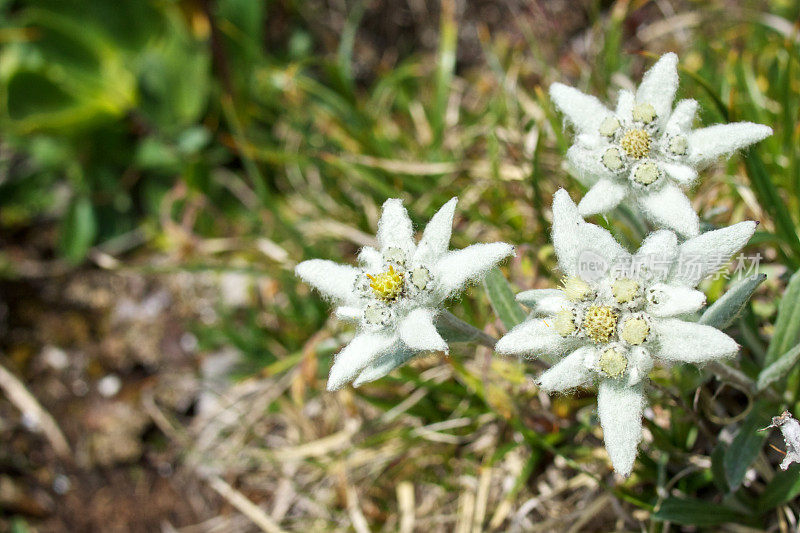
{"points": [[453, 329]]}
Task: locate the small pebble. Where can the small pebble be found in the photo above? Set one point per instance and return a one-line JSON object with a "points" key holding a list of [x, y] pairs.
{"points": [[79, 387], [109, 386], [61, 484], [55, 357], [188, 342]]}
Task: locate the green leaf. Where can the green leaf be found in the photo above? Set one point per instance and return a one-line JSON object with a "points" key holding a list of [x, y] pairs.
{"points": [[779, 368], [770, 199], [19, 525], [787, 325], [691, 512], [78, 229], [453, 329], [175, 81], [31, 93], [784, 487], [502, 299], [718, 467], [344, 55], [725, 310], [745, 446], [445, 67]]}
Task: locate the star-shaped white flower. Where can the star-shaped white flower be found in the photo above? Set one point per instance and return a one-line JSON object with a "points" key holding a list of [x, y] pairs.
{"points": [[790, 429], [396, 293], [617, 314], [645, 150]]}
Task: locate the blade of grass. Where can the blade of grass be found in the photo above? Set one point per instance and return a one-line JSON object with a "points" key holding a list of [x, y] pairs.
{"points": [[770, 199], [445, 67], [502, 299]]}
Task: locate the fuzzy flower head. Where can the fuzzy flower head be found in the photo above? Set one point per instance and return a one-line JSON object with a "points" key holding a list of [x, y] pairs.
{"points": [[397, 291], [790, 429], [645, 150], [616, 314]]}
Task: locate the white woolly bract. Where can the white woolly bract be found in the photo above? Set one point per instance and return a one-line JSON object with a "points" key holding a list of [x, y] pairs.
{"points": [[533, 338], [567, 374], [459, 267], [790, 429], [418, 332], [645, 152], [687, 342], [620, 410], [396, 293], [572, 236], [612, 322], [332, 280], [362, 350]]}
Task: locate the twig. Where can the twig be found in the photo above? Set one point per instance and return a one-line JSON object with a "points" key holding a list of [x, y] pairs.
{"points": [[688, 409], [238, 500], [357, 518], [406, 507], [737, 377], [19, 395], [244, 505]]}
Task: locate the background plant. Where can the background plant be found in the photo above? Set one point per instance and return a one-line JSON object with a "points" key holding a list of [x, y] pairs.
{"points": [[188, 137]]}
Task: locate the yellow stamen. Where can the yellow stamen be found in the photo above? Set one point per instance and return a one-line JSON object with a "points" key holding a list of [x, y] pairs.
{"points": [[600, 323], [636, 143], [388, 285]]}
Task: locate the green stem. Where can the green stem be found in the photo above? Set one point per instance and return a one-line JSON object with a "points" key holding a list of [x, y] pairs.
{"points": [[456, 330]]}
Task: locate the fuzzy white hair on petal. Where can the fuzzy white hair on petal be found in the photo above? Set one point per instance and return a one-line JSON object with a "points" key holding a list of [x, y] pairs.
{"points": [[620, 410]]}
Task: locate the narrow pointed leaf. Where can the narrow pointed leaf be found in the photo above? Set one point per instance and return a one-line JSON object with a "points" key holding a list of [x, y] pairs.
{"points": [[724, 311], [502, 299], [78, 230], [770, 199], [745, 446], [787, 325], [784, 487], [692, 512], [453, 329], [779, 368]]}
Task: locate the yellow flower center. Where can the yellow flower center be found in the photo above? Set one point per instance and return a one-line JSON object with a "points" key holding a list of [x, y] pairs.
{"points": [[624, 290], [600, 322], [388, 285], [565, 322], [613, 363], [636, 143], [635, 330], [575, 288]]}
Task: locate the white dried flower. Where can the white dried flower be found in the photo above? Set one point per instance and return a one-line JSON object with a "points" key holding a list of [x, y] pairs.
{"points": [[645, 150], [790, 429], [618, 313], [396, 292]]}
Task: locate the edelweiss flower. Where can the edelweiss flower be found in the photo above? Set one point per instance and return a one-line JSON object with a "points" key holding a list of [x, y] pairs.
{"points": [[617, 313], [645, 150], [396, 293], [790, 429]]}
